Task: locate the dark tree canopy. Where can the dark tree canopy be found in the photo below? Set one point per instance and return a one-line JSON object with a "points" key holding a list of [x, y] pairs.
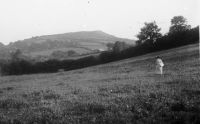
{"points": [[178, 24], [15, 55], [110, 46], [150, 31], [119, 46]]}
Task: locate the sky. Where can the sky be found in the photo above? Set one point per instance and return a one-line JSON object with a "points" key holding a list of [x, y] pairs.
{"points": [[21, 19]]}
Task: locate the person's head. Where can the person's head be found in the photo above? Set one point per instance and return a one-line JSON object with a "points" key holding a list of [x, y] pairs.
{"points": [[157, 57]]}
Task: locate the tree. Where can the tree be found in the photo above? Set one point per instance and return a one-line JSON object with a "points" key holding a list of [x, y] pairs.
{"points": [[178, 24], [138, 42], [119, 46], [16, 55], [110, 46], [71, 53], [150, 31]]}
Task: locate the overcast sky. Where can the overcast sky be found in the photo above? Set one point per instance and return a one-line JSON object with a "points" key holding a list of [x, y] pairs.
{"points": [[20, 19]]}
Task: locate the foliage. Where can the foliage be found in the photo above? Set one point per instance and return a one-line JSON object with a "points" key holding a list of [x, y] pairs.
{"points": [[178, 24], [119, 46], [110, 46], [150, 31], [138, 42], [178, 39], [15, 55]]}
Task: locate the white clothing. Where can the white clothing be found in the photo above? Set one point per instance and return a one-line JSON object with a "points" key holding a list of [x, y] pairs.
{"points": [[159, 65], [159, 62]]}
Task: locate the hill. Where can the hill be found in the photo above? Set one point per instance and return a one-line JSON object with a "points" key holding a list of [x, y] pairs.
{"points": [[82, 36], [90, 40], [126, 91]]}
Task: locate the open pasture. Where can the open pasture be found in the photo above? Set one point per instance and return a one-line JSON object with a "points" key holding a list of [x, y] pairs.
{"points": [[123, 92]]}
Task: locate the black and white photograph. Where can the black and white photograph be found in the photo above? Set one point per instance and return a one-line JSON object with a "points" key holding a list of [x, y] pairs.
{"points": [[99, 62]]}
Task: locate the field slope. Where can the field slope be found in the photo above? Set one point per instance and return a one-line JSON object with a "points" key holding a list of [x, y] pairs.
{"points": [[127, 91]]}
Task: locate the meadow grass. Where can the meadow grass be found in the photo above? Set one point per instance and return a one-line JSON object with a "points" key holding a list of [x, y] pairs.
{"points": [[123, 92]]}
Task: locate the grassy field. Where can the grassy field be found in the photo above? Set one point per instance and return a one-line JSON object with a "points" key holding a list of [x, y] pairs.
{"points": [[124, 92], [84, 48], [49, 52]]}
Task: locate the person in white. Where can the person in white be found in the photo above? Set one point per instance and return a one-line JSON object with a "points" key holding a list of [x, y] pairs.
{"points": [[159, 65]]}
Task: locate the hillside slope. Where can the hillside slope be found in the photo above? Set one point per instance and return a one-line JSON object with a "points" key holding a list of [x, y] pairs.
{"points": [[126, 91], [85, 39], [83, 42], [82, 36]]}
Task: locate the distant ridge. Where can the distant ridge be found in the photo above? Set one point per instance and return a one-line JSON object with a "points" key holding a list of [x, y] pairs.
{"points": [[94, 36], [90, 40]]}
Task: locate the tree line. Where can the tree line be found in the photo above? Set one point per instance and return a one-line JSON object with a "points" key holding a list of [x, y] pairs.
{"points": [[149, 40]]}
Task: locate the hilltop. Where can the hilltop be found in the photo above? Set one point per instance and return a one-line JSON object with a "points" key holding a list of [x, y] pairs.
{"points": [[80, 42], [81, 36]]}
